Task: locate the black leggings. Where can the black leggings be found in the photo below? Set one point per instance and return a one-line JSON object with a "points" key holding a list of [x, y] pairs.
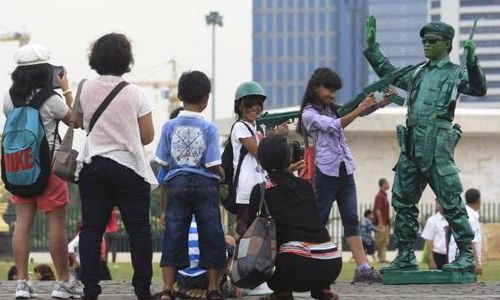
{"points": [[296, 273]]}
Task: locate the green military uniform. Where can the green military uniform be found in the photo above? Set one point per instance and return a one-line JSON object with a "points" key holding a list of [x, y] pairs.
{"points": [[427, 145]]}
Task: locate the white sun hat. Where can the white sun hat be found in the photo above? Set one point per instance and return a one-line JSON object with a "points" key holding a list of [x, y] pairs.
{"points": [[32, 54]]}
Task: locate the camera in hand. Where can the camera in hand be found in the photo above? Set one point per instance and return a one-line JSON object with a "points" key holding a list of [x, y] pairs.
{"points": [[57, 73], [296, 151]]}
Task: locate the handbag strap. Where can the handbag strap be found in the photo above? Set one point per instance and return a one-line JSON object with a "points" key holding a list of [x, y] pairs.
{"points": [[76, 105], [105, 103], [263, 201], [67, 142]]}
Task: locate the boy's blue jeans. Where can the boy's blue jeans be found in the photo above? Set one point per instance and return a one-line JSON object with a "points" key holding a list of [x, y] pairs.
{"points": [[190, 194], [343, 190]]}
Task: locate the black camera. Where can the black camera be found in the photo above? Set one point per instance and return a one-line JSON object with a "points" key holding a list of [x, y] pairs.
{"points": [[296, 151]]}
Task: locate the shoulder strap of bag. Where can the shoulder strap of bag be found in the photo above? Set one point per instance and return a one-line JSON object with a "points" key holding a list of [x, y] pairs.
{"points": [[67, 142], [243, 153], [263, 201], [105, 103]]}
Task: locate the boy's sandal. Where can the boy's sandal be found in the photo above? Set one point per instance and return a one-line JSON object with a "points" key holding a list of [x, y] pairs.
{"points": [[166, 295], [277, 296]]}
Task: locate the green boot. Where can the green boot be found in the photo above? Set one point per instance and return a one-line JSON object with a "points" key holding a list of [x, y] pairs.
{"points": [[464, 260], [404, 261]]}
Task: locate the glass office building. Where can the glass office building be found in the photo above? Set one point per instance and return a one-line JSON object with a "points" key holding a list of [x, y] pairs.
{"points": [[291, 38]]}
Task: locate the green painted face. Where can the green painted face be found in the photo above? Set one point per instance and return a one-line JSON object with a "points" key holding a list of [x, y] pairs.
{"points": [[435, 47]]}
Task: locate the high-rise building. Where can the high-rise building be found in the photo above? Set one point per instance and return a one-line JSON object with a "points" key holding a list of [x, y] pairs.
{"points": [[398, 26], [291, 38], [461, 15]]}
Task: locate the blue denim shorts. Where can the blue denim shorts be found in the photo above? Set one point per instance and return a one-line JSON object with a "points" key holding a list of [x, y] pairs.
{"points": [[193, 194]]}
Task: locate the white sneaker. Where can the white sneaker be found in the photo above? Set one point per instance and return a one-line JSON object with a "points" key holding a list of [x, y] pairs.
{"points": [[24, 290], [67, 290], [261, 290]]}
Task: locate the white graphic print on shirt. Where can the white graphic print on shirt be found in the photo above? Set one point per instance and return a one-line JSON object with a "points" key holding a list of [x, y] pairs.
{"points": [[188, 145]]}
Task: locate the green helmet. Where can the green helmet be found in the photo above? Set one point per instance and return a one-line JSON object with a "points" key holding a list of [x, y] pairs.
{"points": [[249, 88]]}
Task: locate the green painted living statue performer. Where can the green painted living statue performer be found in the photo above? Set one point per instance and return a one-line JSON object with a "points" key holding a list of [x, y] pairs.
{"points": [[428, 141]]}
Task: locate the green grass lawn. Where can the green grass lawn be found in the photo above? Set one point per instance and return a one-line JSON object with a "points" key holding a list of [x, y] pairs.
{"points": [[123, 271]]}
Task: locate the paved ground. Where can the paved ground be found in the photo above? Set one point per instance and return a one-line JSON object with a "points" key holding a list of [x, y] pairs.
{"points": [[115, 290]]}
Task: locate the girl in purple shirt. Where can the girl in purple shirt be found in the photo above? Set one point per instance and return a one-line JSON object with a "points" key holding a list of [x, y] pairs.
{"points": [[334, 163]]}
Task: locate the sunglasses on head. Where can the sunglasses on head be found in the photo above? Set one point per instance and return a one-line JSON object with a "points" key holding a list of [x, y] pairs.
{"points": [[431, 40]]}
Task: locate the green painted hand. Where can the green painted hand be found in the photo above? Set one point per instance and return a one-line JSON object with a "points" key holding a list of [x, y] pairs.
{"points": [[371, 30], [470, 45]]}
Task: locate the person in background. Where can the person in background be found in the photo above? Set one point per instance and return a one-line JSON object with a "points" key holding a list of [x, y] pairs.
{"points": [[365, 229], [111, 235], [44, 272], [381, 209], [12, 274], [435, 235], [473, 204]]}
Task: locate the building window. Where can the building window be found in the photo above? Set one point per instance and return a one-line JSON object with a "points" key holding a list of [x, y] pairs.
{"points": [[322, 46], [257, 22], [312, 3], [279, 71], [257, 4], [290, 22], [269, 71], [301, 3], [279, 46], [310, 46], [478, 2], [484, 16], [435, 4], [301, 45], [270, 95], [269, 46], [280, 23], [290, 3], [257, 71], [270, 3], [332, 19], [290, 95], [488, 43], [290, 46], [301, 22], [257, 47], [312, 22], [281, 3], [322, 21], [269, 22], [301, 73], [280, 96], [312, 66], [435, 18], [489, 29], [290, 68]]}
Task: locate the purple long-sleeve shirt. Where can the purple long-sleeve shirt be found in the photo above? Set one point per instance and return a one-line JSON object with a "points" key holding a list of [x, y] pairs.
{"points": [[324, 126]]}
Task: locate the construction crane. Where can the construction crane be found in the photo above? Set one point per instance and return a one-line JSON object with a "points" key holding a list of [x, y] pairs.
{"points": [[22, 37], [170, 85]]}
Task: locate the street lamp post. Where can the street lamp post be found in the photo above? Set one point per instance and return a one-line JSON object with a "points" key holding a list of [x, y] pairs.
{"points": [[214, 19]]}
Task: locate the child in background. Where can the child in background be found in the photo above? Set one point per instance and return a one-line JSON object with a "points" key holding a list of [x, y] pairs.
{"points": [[44, 272], [189, 152], [434, 234], [473, 204], [365, 229], [12, 275]]}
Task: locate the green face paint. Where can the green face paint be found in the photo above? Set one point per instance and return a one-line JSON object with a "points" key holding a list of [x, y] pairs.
{"points": [[435, 46]]}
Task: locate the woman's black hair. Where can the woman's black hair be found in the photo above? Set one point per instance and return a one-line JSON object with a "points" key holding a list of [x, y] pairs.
{"points": [[111, 54], [27, 79], [321, 77], [274, 156]]}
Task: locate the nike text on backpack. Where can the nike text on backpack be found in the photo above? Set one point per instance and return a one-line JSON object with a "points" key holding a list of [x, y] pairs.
{"points": [[231, 175], [26, 157]]}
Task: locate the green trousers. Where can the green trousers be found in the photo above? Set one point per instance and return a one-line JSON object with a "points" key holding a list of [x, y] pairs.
{"points": [[410, 181]]}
